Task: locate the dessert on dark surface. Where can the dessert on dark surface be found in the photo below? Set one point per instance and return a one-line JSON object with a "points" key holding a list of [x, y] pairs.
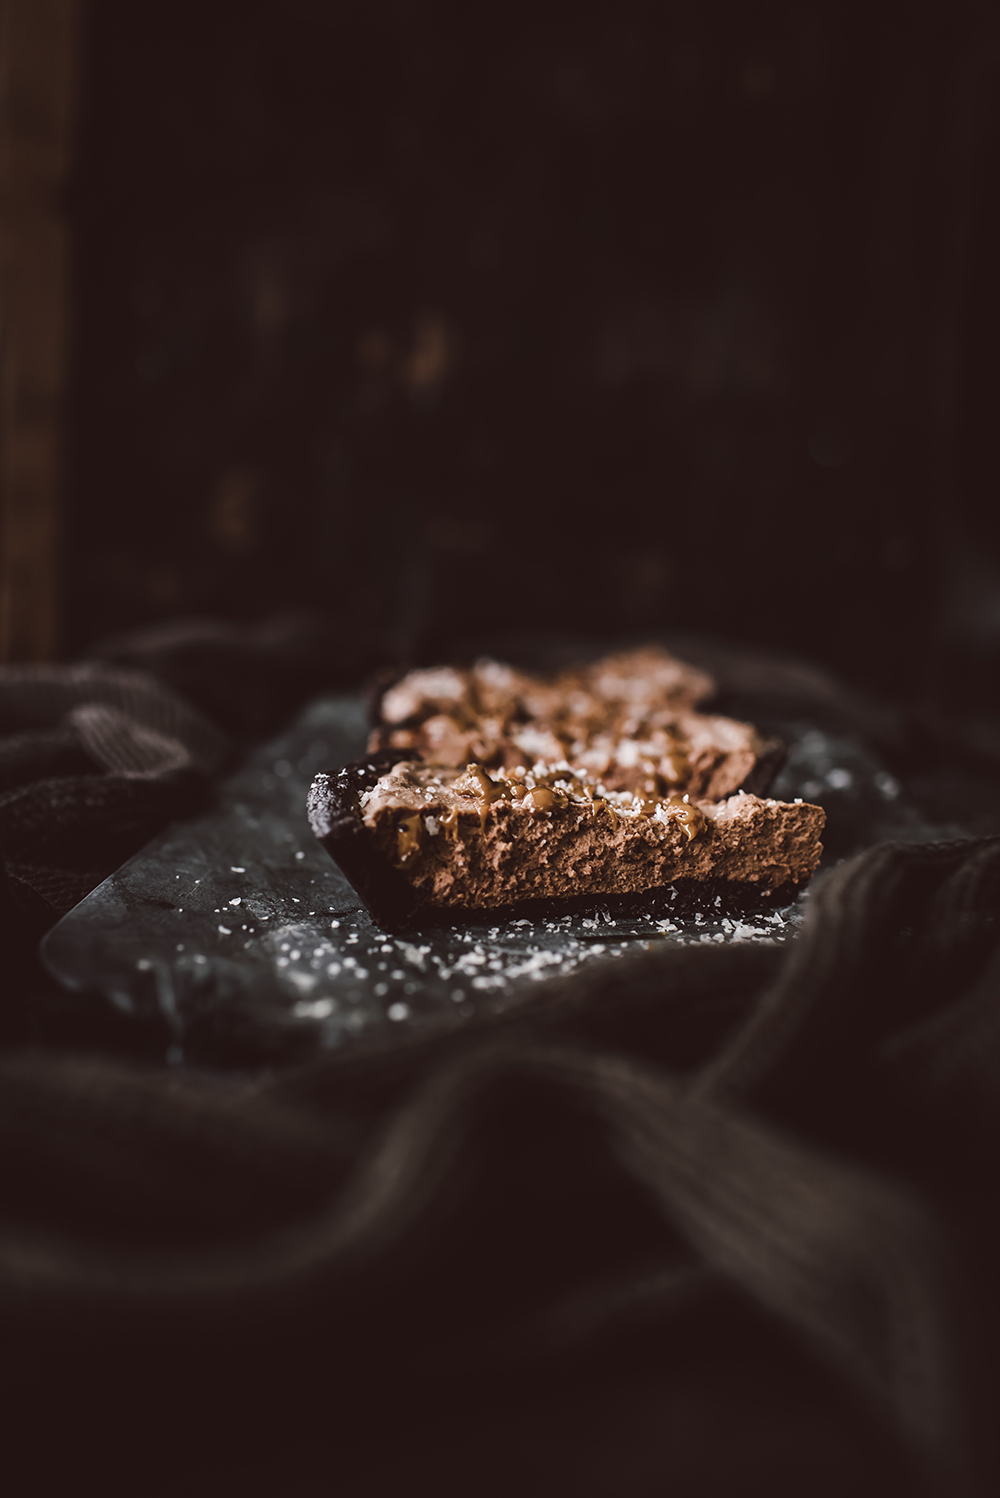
{"points": [[489, 789]]}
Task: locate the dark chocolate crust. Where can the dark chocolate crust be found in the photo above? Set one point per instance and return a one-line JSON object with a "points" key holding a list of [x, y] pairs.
{"points": [[684, 897], [396, 905], [335, 818]]}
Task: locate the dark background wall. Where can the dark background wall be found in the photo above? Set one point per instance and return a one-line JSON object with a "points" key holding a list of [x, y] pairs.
{"points": [[451, 320]]}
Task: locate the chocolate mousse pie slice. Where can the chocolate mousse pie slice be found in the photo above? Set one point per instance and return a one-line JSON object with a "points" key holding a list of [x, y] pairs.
{"points": [[629, 682], [428, 842], [628, 719]]}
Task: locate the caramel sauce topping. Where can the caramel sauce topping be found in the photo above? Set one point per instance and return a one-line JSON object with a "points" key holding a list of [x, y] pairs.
{"points": [[544, 799], [449, 824], [408, 837], [690, 818], [490, 790]]}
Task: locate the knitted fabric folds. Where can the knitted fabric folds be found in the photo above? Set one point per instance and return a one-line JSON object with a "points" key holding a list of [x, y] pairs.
{"points": [[720, 1219]]}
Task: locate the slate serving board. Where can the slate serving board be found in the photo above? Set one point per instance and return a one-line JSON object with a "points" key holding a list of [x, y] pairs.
{"points": [[238, 937]]}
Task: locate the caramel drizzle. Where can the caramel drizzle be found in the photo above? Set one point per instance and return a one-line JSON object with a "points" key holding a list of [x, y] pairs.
{"points": [[691, 819], [678, 808], [490, 790], [449, 824], [598, 803], [408, 837]]}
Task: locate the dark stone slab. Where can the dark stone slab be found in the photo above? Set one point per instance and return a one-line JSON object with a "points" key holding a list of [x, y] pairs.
{"points": [[243, 942]]}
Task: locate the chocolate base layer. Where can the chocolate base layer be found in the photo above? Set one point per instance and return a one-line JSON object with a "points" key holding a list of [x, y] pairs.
{"points": [[333, 808], [730, 897], [408, 880]]}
